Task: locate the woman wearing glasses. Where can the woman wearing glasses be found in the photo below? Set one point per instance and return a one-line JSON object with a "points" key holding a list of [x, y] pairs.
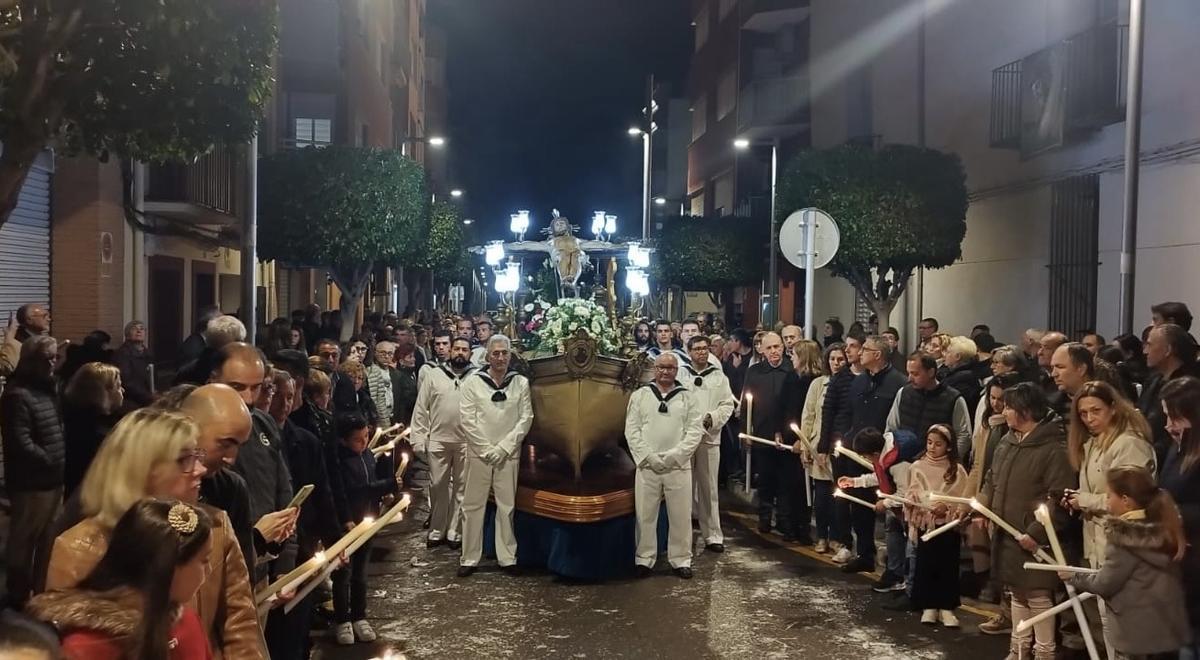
{"points": [[154, 453]]}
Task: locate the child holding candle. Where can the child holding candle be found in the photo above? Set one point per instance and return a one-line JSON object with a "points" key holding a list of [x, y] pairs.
{"points": [[369, 483], [1140, 577], [935, 580]]}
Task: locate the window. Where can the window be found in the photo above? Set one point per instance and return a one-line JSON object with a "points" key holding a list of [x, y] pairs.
{"points": [[1074, 256], [700, 117], [701, 27], [727, 93], [723, 195], [697, 204], [726, 6], [313, 132]]}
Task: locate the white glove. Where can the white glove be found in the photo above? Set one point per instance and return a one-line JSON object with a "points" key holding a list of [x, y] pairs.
{"points": [[495, 455]]}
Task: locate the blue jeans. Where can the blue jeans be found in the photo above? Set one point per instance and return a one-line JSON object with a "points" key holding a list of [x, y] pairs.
{"points": [[899, 566]]}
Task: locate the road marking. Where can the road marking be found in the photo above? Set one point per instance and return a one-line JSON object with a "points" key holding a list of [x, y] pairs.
{"points": [[750, 523]]}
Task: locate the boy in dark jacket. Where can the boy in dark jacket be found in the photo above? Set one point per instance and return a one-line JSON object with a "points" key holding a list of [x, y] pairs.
{"points": [[368, 484]]}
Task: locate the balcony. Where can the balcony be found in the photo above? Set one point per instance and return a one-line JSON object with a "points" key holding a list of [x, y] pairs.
{"points": [[771, 15], [774, 106], [1062, 93], [210, 191]]}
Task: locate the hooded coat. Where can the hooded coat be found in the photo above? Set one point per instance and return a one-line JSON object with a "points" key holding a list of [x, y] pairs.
{"points": [[102, 625]]}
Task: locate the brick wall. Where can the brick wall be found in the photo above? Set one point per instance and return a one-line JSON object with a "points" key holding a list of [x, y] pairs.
{"points": [[86, 294]]}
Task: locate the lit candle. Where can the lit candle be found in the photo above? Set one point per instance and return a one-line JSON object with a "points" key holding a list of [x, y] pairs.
{"points": [[846, 496], [749, 429], [852, 455], [763, 441], [1042, 513], [333, 551], [902, 500], [312, 584], [1026, 624], [403, 466], [1009, 529], [939, 497], [941, 530], [1058, 568]]}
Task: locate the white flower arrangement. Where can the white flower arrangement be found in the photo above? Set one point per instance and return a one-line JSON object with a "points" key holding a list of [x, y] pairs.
{"points": [[570, 315]]}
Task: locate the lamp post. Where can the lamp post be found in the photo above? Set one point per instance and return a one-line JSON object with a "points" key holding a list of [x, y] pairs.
{"points": [[507, 281], [1133, 145], [436, 141], [771, 310]]}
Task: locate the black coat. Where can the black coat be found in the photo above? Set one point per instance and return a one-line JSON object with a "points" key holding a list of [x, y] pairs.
{"points": [[1184, 488], [1150, 405], [778, 399], [306, 463], [835, 410], [135, 374], [32, 434], [84, 429], [965, 379], [366, 481], [871, 397], [227, 491]]}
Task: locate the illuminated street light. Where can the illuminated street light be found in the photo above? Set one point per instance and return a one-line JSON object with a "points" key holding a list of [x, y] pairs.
{"points": [[519, 223], [493, 254], [456, 193], [610, 224], [639, 257], [741, 143], [437, 141], [637, 282], [467, 221], [661, 201], [634, 131], [598, 223]]}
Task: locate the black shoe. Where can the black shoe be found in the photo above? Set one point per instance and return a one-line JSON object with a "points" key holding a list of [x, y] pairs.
{"points": [[466, 571], [715, 547], [425, 525], [454, 545], [900, 603], [684, 572], [764, 526], [787, 537], [804, 540], [888, 584], [433, 543], [512, 570], [859, 566], [644, 571]]}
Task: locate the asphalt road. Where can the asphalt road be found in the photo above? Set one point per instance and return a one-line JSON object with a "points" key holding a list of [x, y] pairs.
{"points": [[759, 599]]}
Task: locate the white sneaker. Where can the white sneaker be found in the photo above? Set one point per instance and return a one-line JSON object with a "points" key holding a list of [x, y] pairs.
{"points": [[363, 631], [929, 617], [843, 556], [821, 546], [344, 634], [948, 618]]}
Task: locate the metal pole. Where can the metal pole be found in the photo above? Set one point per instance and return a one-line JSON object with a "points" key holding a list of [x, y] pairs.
{"points": [[647, 155], [773, 270], [250, 242], [809, 224], [140, 276], [1133, 145], [918, 287]]}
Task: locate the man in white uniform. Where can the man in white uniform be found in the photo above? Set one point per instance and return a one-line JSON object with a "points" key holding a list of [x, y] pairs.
{"points": [[662, 426], [496, 414], [437, 429], [715, 402], [688, 329]]}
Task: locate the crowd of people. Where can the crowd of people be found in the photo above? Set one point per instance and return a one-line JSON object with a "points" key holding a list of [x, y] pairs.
{"points": [[167, 510]]}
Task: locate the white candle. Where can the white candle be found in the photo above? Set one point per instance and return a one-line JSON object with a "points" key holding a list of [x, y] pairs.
{"points": [[903, 500], [795, 429], [1058, 568], [384, 448], [1042, 513], [1026, 624], [403, 466], [749, 429], [1009, 529], [846, 496], [852, 455], [941, 530], [763, 441], [312, 584], [939, 497]]}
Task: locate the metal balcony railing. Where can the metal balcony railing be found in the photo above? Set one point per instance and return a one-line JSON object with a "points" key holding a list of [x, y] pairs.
{"points": [[1063, 91], [215, 182], [768, 15]]}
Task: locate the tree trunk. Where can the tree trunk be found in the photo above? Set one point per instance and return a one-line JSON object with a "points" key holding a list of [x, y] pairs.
{"points": [[880, 293], [18, 156], [352, 282]]}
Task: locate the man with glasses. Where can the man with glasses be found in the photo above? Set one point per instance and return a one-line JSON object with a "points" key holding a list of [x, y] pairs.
{"points": [[663, 428], [926, 329], [30, 321], [260, 460], [379, 381], [688, 329]]}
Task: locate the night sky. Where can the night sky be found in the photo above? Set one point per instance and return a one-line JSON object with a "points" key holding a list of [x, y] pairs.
{"points": [[541, 95]]}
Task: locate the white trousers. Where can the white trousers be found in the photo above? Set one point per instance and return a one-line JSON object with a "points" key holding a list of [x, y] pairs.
{"points": [[447, 468], [649, 489], [705, 463], [501, 481]]}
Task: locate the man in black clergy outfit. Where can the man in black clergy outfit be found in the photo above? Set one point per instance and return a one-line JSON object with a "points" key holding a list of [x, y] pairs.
{"points": [[779, 474]]}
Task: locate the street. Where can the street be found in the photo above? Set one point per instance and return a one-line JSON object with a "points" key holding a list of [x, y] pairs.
{"points": [[757, 600]]}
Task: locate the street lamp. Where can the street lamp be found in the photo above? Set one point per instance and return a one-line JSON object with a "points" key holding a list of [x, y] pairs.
{"points": [[638, 257], [770, 310], [519, 223], [456, 193], [507, 281], [660, 201], [435, 141], [493, 253], [467, 221]]}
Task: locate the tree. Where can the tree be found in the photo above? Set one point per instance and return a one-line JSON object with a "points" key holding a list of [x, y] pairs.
{"points": [[445, 251], [897, 208], [344, 209], [145, 79], [709, 254]]}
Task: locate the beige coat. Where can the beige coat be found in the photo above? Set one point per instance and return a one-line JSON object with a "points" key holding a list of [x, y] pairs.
{"points": [[816, 464], [225, 602], [1126, 449]]}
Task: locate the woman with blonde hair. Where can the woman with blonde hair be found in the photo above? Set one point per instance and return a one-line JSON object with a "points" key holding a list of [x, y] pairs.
{"points": [[1106, 432], [816, 464], [155, 453], [960, 357], [91, 407], [806, 358]]}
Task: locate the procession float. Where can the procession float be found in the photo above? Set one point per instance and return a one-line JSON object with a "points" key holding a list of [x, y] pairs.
{"points": [[575, 512]]}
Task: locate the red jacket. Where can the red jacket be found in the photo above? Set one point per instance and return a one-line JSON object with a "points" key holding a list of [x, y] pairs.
{"points": [[98, 626]]}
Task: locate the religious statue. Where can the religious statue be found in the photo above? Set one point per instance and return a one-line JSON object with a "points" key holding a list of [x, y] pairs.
{"points": [[567, 252]]}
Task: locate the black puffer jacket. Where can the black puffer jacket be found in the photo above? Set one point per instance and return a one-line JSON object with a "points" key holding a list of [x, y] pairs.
{"points": [[965, 378], [32, 432]]}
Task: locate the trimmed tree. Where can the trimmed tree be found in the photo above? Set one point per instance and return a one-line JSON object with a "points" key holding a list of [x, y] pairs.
{"points": [[898, 208], [445, 247], [709, 254], [342, 209], [149, 80]]}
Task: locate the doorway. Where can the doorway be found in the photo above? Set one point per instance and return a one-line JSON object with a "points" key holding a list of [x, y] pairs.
{"points": [[166, 307]]}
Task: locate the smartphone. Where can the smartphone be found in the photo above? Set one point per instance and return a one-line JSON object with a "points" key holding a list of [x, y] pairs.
{"points": [[301, 495]]}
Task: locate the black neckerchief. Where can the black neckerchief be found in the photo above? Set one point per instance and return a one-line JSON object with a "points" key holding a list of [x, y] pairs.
{"points": [[457, 380], [498, 395], [662, 400], [699, 375]]}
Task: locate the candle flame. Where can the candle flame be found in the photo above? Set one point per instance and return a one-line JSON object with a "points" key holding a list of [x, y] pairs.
{"points": [[795, 428], [749, 396], [879, 493], [1042, 510], [320, 556], [368, 520], [837, 491], [975, 503]]}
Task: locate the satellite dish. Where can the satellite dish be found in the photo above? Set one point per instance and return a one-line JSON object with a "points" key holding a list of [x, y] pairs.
{"points": [[793, 236]]}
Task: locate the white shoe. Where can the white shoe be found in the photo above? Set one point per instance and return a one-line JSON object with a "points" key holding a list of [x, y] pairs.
{"points": [[843, 556], [948, 618], [363, 631], [821, 546], [929, 617], [344, 634]]}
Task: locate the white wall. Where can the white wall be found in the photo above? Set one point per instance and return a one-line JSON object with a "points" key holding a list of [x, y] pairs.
{"points": [[1002, 279]]}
